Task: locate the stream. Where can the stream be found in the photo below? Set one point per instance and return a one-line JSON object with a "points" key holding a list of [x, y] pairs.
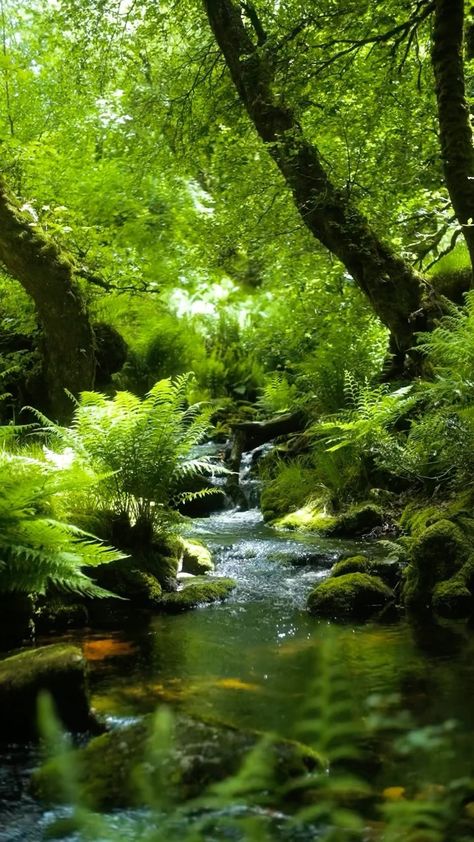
{"points": [[252, 661]]}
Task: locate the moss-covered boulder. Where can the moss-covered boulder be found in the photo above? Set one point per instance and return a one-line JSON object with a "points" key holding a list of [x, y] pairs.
{"points": [[119, 769], [61, 670], [59, 614], [356, 595], [415, 518], [389, 571], [437, 553], [196, 558], [353, 564], [358, 520], [197, 591], [312, 517], [315, 517], [452, 599]]}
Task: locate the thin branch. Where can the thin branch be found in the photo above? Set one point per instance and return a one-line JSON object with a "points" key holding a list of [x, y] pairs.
{"points": [[251, 13], [457, 233]]}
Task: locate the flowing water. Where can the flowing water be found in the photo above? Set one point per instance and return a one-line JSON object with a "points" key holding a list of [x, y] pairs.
{"points": [[253, 660]]}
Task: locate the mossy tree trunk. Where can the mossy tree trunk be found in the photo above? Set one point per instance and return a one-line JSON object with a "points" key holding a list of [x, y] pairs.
{"points": [[48, 279], [394, 289], [457, 150]]}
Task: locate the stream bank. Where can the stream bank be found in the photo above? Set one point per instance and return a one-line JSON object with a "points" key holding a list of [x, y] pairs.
{"points": [[254, 661]]}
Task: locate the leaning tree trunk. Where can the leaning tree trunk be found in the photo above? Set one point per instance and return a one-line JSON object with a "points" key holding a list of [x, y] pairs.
{"points": [[393, 288], [457, 150], [48, 279]]}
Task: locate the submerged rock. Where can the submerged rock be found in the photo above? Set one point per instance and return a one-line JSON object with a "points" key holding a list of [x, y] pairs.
{"points": [[60, 670], [197, 591], [356, 595], [132, 765]]}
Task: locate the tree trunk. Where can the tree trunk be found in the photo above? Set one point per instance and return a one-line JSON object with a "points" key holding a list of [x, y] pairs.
{"points": [[48, 279], [457, 150], [393, 288]]}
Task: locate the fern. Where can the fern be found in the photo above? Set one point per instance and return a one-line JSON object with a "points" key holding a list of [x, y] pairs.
{"points": [[144, 449], [38, 548]]}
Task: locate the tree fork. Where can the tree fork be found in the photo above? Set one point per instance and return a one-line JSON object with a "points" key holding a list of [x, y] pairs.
{"points": [[48, 279], [395, 290]]}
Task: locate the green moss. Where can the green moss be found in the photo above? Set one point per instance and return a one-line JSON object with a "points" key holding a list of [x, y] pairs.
{"points": [[437, 553], [114, 770], [197, 592], [389, 571], [196, 558], [416, 519], [354, 564], [312, 517], [440, 549], [59, 669], [129, 580], [60, 614], [353, 595], [452, 598], [358, 520]]}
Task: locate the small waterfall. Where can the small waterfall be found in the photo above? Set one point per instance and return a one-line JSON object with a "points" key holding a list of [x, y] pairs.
{"points": [[249, 481]]}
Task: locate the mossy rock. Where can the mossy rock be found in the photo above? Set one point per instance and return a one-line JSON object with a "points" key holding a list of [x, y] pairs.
{"points": [[389, 571], [312, 517], [353, 564], [452, 599], [197, 591], [196, 558], [129, 580], [61, 670], [208, 498], [358, 520], [115, 769], [439, 551], [58, 614], [415, 519], [352, 595]]}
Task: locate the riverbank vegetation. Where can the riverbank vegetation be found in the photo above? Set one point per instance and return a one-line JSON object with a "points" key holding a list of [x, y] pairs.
{"points": [[224, 225]]}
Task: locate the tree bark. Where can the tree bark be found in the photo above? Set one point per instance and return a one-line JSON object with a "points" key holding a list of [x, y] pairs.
{"points": [[457, 150], [394, 289], [48, 279]]}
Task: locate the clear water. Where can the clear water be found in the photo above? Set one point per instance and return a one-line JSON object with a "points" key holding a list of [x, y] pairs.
{"points": [[252, 660]]}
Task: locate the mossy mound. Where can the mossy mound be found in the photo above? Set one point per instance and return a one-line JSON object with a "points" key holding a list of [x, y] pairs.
{"points": [[61, 670], [196, 558], [312, 517], [58, 614], [358, 520], [389, 571], [437, 553], [353, 564], [129, 580], [452, 599], [352, 595], [196, 592], [119, 769]]}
